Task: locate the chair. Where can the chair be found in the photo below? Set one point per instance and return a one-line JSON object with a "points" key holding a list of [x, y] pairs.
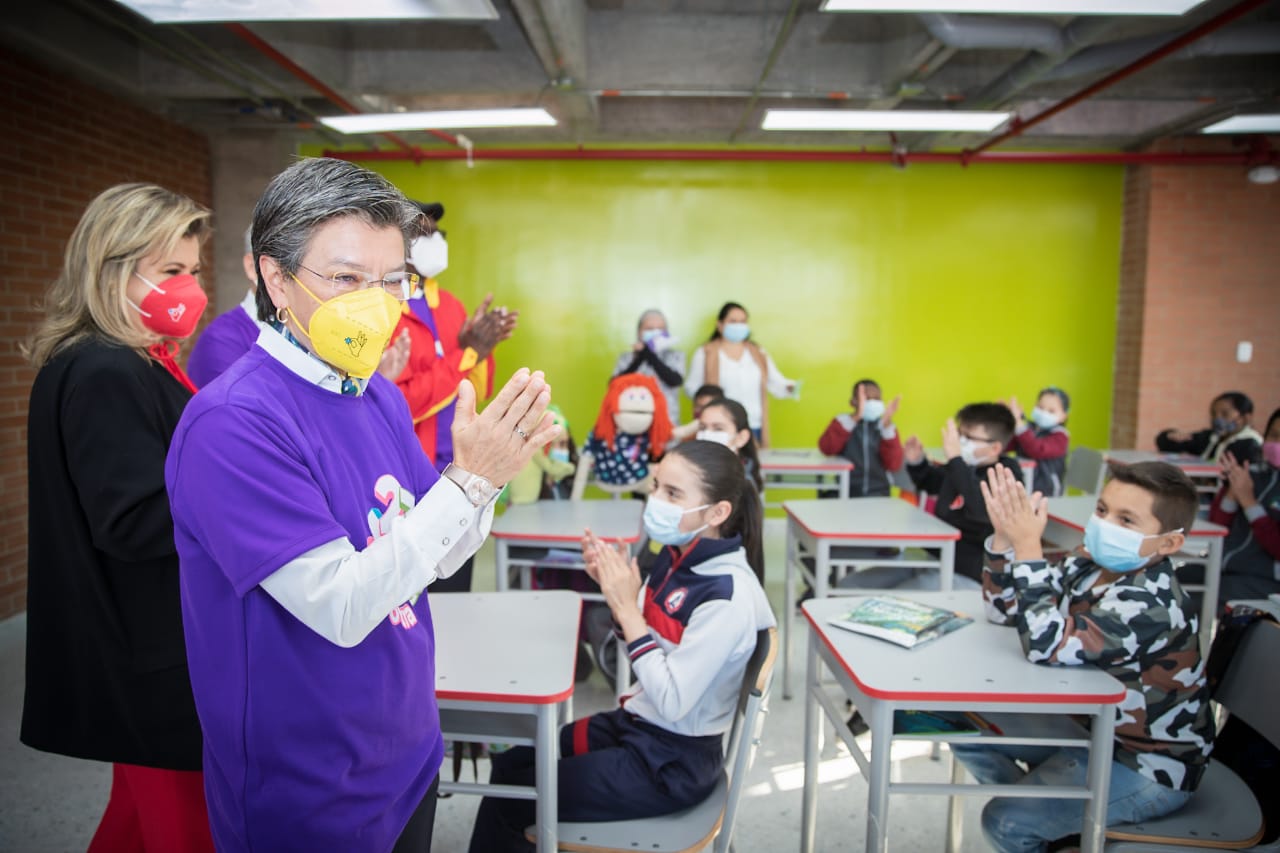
{"points": [[1085, 470], [583, 477], [713, 818], [1223, 813]]}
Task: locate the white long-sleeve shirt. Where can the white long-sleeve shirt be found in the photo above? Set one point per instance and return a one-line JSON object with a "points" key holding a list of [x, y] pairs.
{"points": [[740, 379]]}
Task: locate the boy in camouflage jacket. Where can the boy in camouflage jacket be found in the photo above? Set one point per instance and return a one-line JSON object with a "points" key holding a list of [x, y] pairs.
{"points": [[1114, 604]]}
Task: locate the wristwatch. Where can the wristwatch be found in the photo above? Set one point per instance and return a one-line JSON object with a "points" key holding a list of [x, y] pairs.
{"points": [[477, 489]]}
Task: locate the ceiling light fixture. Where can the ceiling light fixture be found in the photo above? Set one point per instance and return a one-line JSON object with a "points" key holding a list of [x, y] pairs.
{"points": [[1018, 7], [439, 120], [892, 120], [1246, 124], [193, 11]]}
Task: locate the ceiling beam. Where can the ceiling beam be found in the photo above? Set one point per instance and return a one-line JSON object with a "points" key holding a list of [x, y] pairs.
{"points": [[557, 33], [788, 24]]}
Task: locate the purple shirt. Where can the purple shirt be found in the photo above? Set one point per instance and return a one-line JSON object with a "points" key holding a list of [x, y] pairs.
{"points": [[227, 338], [307, 746]]}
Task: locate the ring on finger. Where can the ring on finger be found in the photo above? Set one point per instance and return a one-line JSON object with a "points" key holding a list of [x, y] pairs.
{"points": [[523, 435]]}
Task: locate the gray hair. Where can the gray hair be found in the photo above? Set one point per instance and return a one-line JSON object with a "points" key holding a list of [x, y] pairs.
{"points": [[310, 193], [652, 312]]}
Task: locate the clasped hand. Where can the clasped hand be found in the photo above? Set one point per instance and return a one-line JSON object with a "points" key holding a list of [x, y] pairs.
{"points": [[1019, 519], [618, 575], [498, 442]]}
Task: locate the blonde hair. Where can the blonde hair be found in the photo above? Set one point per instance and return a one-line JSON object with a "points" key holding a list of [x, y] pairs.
{"points": [[120, 227]]}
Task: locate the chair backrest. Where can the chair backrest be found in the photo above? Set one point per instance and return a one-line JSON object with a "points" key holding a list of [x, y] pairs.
{"points": [[748, 723], [1085, 468], [1249, 688]]}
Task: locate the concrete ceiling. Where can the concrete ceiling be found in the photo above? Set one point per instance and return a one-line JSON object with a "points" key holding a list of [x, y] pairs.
{"points": [[672, 71]]}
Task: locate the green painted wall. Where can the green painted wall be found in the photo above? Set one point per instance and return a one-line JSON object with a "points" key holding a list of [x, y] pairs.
{"points": [[948, 285]]}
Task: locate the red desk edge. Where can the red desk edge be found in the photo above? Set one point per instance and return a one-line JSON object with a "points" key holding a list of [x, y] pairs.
{"points": [[932, 537]]}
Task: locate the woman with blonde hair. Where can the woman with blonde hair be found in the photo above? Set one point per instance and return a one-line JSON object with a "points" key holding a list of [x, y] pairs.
{"points": [[106, 664]]}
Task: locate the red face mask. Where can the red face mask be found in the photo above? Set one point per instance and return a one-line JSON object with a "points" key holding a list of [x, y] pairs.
{"points": [[173, 307]]}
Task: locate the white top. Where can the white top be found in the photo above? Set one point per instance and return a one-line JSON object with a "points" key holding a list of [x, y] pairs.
{"points": [[801, 459], [740, 380], [981, 663], [867, 518], [530, 659], [343, 594], [1075, 512], [564, 521]]}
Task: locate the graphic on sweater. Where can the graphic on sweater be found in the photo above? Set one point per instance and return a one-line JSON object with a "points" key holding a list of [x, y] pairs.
{"points": [[395, 502], [675, 599]]}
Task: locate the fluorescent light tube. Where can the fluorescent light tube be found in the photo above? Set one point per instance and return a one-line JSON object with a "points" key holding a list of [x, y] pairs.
{"points": [[192, 11], [1246, 124], [438, 120], [899, 120], [1018, 7]]}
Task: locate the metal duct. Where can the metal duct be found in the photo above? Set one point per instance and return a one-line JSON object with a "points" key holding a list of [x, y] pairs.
{"points": [[1256, 39], [981, 32]]}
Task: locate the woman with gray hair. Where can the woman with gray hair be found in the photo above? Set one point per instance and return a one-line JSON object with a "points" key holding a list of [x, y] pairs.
{"points": [[309, 525], [654, 354]]}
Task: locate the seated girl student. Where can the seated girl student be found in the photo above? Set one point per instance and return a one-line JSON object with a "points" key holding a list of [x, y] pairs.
{"points": [[1249, 504], [1230, 414], [725, 422], [1116, 605], [690, 631], [1044, 439]]}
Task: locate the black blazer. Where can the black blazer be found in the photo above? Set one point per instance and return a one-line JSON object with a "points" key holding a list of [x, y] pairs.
{"points": [[106, 663]]}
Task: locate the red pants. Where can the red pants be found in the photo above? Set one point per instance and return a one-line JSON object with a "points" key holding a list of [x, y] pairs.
{"points": [[154, 810]]}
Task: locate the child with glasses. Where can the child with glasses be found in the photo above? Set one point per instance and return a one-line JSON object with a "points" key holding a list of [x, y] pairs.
{"points": [[973, 441]]}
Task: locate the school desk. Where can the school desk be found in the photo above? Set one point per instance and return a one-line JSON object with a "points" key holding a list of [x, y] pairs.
{"points": [[844, 532], [504, 674], [795, 469], [978, 668], [1205, 474]]}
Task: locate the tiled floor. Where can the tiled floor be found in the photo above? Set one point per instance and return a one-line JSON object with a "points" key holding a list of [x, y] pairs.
{"points": [[50, 803]]}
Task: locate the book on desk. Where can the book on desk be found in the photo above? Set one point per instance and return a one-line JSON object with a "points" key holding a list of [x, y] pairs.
{"points": [[900, 621]]}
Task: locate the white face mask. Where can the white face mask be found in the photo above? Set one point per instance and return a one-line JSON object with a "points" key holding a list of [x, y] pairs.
{"points": [[1043, 419], [718, 436], [429, 255], [872, 410], [968, 451]]}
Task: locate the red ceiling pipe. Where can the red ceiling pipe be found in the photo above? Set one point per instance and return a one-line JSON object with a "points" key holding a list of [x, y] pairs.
{"points": [[1018, 126], [1149, 158], [266, 49]]}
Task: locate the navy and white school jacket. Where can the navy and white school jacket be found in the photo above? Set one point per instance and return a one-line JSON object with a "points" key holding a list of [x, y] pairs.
{"points": [[703, 609]]}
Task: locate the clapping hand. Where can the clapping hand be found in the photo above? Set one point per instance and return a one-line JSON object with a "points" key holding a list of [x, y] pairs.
{"points": [[913, 450], [1239, 481], [951, 440], [618, 575], [498, 442], [886, 420], [1019, 519], [1014, 406], [395, 357]]}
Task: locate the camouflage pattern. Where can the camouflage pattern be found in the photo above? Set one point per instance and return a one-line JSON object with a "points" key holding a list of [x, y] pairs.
{"points": [[1141, 629]]}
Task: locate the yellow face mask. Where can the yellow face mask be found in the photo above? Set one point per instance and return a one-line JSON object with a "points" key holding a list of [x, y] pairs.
{"points": [[351, 331]]}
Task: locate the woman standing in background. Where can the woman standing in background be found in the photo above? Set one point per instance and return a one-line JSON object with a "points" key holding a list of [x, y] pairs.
{"points": [[106, 666], [654, 354]]}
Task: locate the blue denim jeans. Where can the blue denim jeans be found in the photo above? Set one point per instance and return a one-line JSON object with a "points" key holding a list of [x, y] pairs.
{"points": [[1017, 824]]}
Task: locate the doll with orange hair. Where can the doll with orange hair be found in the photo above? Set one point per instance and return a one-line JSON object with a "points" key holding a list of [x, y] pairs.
{"points": [[632, 430]]}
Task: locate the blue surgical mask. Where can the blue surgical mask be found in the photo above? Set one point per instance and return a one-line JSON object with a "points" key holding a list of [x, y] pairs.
{"points": [[651, 335], [736, 333], [1224, 426], [1114, 547], [1043, 419], [559, 454], [872, 410], [662, 522]]}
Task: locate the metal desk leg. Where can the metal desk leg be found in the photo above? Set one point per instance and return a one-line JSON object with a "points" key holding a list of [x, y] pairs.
{"points": [[546, 761], [955, 808], [789, 609], [880, 716], [500, 557], [1212, 581], [947, 571], [842, 483], [1102, 738], [812, 729]]}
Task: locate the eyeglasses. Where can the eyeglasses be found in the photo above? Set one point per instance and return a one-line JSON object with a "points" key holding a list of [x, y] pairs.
{"points": [[977, 439], [399, 285]]}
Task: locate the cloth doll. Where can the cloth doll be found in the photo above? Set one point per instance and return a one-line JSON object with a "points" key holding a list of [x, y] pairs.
{"points": [[632, 430]]}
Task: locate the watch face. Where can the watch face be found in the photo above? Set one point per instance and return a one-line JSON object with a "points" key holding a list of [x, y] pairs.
{"points": [[478, 491]]}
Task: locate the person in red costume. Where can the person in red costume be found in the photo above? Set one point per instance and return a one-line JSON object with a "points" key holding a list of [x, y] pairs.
{"points": [[444, 345]]}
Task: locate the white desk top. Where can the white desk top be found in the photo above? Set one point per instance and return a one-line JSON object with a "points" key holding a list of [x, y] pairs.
{"points": [[800, 459], [867, 518], [981, 662], [1074, 512], [512, 647], [1193, 465], [564, 521]]}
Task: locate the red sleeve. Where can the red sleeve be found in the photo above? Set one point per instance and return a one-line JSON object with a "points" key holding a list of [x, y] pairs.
{"points": [[891, 455], [834, 439], [428, 380], [1217, 514], [1266, 530], [1052, 446]]}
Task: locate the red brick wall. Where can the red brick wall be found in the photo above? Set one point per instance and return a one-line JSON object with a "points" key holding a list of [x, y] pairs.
{"points": [[65, 142], [1200, 271]]}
